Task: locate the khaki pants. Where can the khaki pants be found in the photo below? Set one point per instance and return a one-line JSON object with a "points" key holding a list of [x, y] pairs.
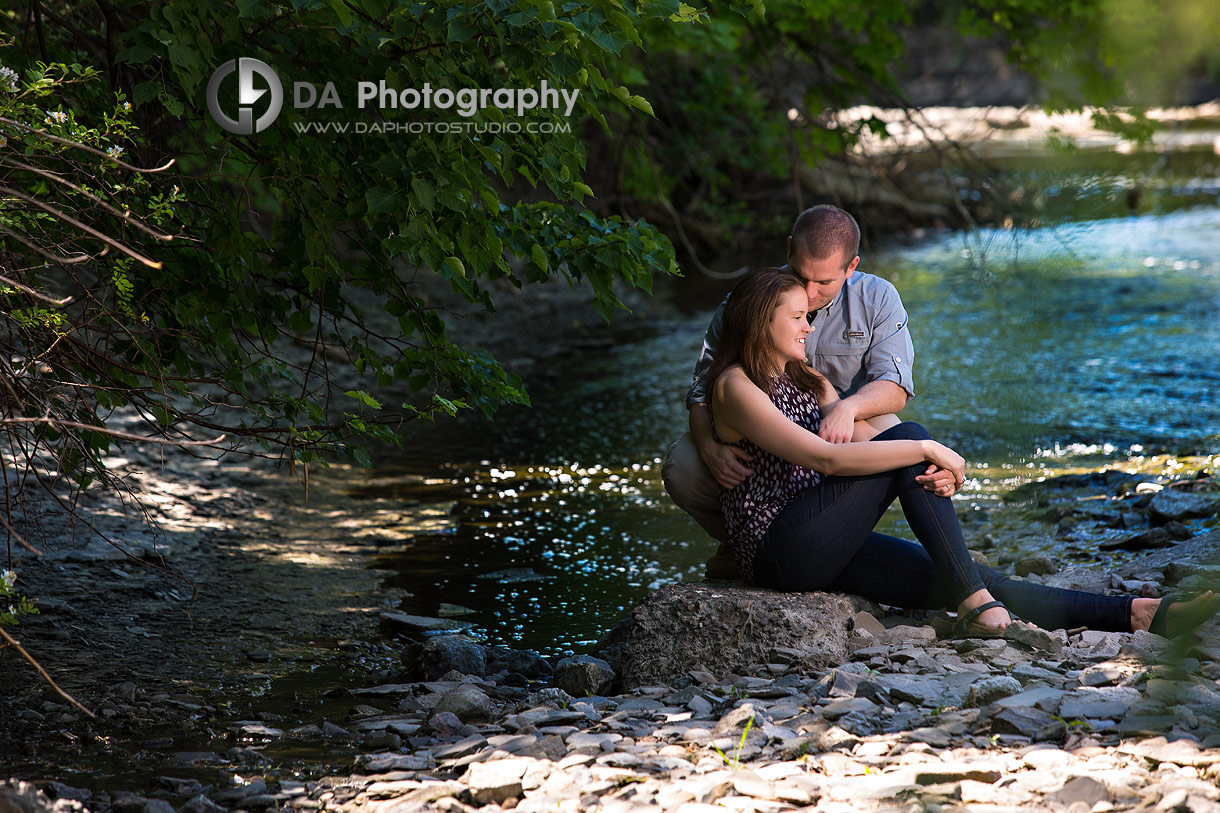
{"points": [[693, 489]]}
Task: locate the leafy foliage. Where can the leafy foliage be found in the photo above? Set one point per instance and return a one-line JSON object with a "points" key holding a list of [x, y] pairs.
{"points": [[292, 239]]}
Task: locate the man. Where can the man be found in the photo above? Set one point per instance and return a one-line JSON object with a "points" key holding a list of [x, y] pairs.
{"points": [[858, 340]]}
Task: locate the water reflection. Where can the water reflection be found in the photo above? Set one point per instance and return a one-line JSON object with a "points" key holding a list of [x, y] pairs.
{"points": [[1038, 353]]}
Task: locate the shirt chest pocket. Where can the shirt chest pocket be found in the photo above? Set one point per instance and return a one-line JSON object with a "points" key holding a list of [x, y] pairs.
{"points": [[842, 358]]}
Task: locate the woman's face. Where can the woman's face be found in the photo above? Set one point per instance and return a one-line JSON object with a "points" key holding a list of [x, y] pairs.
{"points": [[789, 327]]}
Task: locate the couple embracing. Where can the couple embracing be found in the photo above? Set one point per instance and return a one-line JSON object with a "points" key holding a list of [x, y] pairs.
{"points": [[795, 453]]}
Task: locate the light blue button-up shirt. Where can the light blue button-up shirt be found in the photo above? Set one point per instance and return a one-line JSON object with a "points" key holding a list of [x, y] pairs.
{"points": [[861, 336]]}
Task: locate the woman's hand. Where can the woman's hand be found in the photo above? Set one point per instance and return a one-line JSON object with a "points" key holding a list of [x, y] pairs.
{"points": [[945, 458], [940, 482]]}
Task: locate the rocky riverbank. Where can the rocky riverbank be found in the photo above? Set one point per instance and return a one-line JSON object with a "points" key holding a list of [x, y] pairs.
{"points": [[292, 683], [912, 719]]}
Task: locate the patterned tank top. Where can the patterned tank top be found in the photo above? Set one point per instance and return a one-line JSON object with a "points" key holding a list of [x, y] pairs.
{"points": [[750, 508]]}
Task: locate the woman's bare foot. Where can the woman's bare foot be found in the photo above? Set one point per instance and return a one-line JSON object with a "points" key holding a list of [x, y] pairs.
{"points": [[994, 618], [1181, 616]]}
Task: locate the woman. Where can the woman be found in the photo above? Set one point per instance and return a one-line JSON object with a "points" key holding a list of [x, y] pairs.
{"points": [[804, 519]]}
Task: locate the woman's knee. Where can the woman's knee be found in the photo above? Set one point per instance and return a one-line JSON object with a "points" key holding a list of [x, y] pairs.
{"points": [[907, 430]]}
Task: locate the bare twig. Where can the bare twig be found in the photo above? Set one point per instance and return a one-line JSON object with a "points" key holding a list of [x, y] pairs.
{"points": [[112, 432], [51, 210], [79, 146], [18, 537], [15, 644]]}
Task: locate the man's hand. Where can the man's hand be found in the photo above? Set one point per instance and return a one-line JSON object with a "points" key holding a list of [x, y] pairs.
{"points": [[727, 463], [839, 424], [940, 482]]}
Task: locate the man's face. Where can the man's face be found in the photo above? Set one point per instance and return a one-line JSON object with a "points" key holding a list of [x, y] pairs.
{"points": [[823, 278]]}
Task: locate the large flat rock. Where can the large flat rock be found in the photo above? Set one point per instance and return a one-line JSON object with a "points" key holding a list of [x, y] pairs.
{"points": [[725, 629]]}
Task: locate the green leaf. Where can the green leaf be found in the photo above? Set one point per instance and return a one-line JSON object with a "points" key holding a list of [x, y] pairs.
{"points": [[381, 200], [364, 398], [539, 257], [456, 265]]}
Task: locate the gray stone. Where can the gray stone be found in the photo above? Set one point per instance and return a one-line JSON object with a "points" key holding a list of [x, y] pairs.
{"points": [[1079, 578], [1148, 540], [1173, 504], [442, 654], [866, 622], [201, 804], [990, 689], [1026, 721], [844, 683], [1033, 637], [724, 629], [402, 622], [1100, 675], [384, 763], [908, 634], [1080, 789], [523, 662], [1178, 531], [444, 723], [839, 708], [584, 675], [495, 782], [1103, 703], [921, 690], [1038, 565], [461, 748], [736, 719], [468, 703], [1041, 697]]}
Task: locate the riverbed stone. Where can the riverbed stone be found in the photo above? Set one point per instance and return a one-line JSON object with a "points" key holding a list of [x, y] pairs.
{"points": [[1148, 540], [526, 662], [442, 654], [1026, 721], [722, 629], [1080, 789], [1039, 565], [1174, 504], [584, 675], [990, 689], [405, 622], [468, 703], [1103, 702]]}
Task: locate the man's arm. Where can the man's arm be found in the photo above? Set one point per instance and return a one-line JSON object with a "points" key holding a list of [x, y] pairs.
{"points": [[727, 463], [873, 399]]}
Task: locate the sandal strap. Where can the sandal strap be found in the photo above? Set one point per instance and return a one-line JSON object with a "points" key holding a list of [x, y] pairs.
{"points": [[970, 616]]}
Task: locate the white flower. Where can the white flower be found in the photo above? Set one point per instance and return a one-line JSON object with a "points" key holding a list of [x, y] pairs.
{"points": [[8, 578], [176, 190], [56, 117], [3, 142], [126, 105], [8, 80], [114, 151]]}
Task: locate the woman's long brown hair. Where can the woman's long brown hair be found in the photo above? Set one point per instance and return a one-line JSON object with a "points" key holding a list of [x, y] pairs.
{"points": [[746, 334]]}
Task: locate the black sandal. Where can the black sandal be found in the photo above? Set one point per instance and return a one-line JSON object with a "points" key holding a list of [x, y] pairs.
{"points": [[968, 625], [1184, 622]]}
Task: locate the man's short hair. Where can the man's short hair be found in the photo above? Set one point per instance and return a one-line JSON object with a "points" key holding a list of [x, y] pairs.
{"points": [[823, 231]]}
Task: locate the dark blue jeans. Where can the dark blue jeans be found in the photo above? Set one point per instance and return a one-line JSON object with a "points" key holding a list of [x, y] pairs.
{"points": [[824, 540]]}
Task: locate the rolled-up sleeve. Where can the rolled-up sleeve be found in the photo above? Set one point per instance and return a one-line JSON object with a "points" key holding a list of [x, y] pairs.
{"points": [[711, 343], [891, 357]]}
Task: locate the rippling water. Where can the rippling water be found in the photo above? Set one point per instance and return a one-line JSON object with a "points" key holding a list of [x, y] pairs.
{"points": [[1037, 351]]}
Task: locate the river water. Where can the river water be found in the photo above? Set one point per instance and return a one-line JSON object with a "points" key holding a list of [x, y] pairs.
{"points": [[1074, 348]]}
